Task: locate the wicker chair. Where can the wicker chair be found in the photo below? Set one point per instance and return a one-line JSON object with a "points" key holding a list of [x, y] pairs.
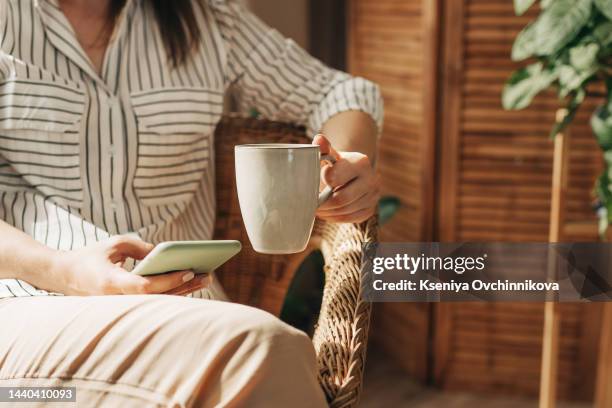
{"points": [[262, 281]]}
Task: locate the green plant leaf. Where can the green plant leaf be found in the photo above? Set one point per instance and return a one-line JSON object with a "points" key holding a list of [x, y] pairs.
{"points": [[605, 6], [570, 80], [584, 57], [601, 123], [607, 155], [254, 113], [583, 66], [545, 3], [603, 33], [524, 44], [603, 225], [387, 207], [521, 6], [525, 84], [602, 189], [559, 24]]}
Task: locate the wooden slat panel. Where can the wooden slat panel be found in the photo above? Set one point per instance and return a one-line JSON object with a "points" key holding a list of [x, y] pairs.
{"points": [[389, 45], [496, 174], [386, 46]]}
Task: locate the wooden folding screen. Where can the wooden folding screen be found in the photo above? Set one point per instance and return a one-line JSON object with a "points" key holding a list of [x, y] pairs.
{"points": [[386, 45], [492, 172], [495, 174]]}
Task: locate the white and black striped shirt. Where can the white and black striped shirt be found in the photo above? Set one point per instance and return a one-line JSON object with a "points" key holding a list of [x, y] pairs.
{"points": [[84, 155]]}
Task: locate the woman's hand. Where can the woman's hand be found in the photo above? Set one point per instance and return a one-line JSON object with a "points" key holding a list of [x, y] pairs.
{"points": [[98, 270], [355, 184]]}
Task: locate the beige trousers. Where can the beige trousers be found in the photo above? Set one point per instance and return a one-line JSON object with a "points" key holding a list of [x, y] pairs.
{"points": [[167, 351]]}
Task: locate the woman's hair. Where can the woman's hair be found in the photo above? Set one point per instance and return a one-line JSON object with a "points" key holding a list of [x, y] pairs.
{"points": [[177, 25]]}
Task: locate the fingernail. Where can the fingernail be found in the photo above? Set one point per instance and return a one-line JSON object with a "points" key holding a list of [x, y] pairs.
{"points": [[188, 276]]}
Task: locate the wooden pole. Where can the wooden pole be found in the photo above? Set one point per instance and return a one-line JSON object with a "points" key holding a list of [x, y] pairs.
{"points": [[603, 384], [552, 316], [603, 391]]}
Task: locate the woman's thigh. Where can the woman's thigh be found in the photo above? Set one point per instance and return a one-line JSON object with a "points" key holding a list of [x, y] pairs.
{"points": [[149, 350]]}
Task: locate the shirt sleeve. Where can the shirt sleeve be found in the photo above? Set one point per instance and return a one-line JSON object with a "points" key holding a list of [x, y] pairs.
{"points": [[274, 76]]}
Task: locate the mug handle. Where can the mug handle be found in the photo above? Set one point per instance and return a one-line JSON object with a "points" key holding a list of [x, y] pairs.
{"points": [[327, 191]]}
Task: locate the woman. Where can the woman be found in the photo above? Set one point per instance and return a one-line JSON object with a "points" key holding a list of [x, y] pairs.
{"points": [[107, 109]]}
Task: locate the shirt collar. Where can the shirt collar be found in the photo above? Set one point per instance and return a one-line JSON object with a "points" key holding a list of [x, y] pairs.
{"points": [[63, 38]]}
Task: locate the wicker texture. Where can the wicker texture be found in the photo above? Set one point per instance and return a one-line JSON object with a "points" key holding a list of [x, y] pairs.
{"points": [[262, 281]]}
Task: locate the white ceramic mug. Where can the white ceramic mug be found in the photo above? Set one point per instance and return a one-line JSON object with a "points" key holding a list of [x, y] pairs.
{"points": [[278, 191]]}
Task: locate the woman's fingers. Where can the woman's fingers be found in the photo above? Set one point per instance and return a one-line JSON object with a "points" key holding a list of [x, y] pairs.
{"points": [[121, 247], [128, 283], [367, 201], [340, 173], [356, 186], [325, 146], [349, 193], [354, 202], [356, 217], [199, 282], [119, 281], [360, 193], [349, 167]]}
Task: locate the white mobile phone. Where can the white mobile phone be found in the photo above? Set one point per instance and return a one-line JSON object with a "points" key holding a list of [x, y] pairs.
{"points": [[200, 256]]}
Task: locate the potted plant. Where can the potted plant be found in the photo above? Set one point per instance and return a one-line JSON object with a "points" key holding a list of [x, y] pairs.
{"points": [[569, 47]]}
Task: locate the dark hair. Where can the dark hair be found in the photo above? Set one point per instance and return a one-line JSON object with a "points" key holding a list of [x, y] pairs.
{"points": [[177, 25]]}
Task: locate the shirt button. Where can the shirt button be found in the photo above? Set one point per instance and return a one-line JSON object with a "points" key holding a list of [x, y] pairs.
{"points": [[112, 150], [115, 205]]}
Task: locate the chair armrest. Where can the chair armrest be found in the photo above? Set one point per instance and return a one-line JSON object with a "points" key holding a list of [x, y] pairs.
{"points": [[341, 335]]}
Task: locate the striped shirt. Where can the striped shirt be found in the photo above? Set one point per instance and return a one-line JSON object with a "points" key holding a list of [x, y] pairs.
{"points": [[87, 155]]}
